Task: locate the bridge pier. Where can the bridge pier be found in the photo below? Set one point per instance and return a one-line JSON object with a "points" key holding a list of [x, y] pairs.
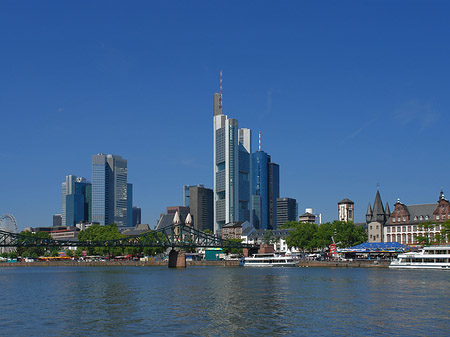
{"points": [[177, 259]]}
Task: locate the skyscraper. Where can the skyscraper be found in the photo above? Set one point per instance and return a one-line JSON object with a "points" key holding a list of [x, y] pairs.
{"points": [[129, 205], [76, 200], [201, 207], [265, 190], [136, 216], [109, 189], [286, 210], [232, 168]]}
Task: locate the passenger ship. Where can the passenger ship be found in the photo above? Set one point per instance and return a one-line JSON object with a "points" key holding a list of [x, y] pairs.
{"points": [[433, 257], [268, 260]]}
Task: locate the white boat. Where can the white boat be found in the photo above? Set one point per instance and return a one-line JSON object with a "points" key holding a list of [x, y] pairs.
{"points": [[268, 260], [432, 257]]}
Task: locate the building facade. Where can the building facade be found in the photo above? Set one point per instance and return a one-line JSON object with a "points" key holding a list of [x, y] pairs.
{"points": [[76, 197], [287, 210], [201, 207], [232, 169], [109, 189], [407, 222], [265, 190], [137, 216], [346, 210]]}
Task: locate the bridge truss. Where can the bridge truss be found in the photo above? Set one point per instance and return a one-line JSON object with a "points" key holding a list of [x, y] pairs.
{"points": [[175, 236]]}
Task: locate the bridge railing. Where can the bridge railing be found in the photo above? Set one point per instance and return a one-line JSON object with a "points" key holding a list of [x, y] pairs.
{"points": [[176, 236]]}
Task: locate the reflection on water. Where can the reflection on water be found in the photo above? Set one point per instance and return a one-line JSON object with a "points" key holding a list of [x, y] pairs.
{"points": [[221, 301]]}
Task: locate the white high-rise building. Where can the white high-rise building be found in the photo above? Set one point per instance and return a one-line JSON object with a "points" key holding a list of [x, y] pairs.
{"points": [[232, 169]]}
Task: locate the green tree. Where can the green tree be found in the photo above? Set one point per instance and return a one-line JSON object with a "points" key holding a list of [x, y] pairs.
{"points": [[303, 235], [102, 233], [26, 240], [268, 237], [207, 231]]}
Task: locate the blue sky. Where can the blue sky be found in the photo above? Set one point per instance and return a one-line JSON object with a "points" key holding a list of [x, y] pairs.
{"points": [[347, 95]]}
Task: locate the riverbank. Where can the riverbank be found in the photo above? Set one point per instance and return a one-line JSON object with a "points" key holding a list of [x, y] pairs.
{"points": [[347, 264], [223, 263]]}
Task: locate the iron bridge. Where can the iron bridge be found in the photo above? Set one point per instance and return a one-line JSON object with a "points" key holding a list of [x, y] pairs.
{"points": [[175, 236]]}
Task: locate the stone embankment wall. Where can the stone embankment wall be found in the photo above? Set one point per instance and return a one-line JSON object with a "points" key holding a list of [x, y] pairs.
{"points": [[115, 263], [234, 263], [348, 264]]}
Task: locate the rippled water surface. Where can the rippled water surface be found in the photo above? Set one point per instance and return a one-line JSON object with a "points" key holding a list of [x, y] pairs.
{"points": [[223, 301]]}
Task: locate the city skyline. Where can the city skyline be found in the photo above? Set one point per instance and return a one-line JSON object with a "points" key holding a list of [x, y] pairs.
{"points": [[346, 97]]}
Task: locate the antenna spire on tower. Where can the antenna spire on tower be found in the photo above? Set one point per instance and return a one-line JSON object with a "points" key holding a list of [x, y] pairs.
{"points": [[220, 97], [259, 140]]}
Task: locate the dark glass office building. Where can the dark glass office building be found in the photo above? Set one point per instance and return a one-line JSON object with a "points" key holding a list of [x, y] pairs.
{"points": [[265, 191]]}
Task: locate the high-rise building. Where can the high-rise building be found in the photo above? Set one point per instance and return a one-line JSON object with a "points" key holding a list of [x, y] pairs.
{"points": [[201, 207], [129, 205], [265, 190], [286, 210], [274, 194], [346, 210], [136, 216], [68, 187], [109, 189], [76, 200], [232, 169], [57, 220], [186, 194]]}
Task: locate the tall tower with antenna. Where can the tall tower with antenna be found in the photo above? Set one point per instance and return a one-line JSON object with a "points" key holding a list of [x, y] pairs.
{"points": [[218, 99], [232, 168]]}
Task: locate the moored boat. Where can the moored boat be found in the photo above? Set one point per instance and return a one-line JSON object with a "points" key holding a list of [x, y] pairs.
{"points": [[432, 257], [268, 260]]}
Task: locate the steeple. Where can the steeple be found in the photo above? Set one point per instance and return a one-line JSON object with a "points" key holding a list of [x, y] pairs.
{"points": [[388, 211], [378, 209], [369, 214]]}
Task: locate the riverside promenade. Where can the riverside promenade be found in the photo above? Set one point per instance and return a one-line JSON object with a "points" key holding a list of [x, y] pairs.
{"points": [[223, 263]]}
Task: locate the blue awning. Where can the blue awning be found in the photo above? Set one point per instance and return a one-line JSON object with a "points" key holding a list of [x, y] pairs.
{"points": [[376, 247]]}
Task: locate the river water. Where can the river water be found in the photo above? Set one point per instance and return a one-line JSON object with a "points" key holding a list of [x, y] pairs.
{"points": [[223, 301]]}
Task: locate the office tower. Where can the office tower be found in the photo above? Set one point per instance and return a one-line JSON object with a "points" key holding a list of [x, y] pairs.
{"points": [[265, 190], [67, 188], [76, 200], [57, 220], [129, 205], [186, 194], [201, 207], [232, 169], [109, 189], [137, 213], [346, 210], [286, 210], [274, 193]]}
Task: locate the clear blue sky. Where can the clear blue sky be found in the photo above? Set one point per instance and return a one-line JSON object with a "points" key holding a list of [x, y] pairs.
{"points": [[347, 94]]}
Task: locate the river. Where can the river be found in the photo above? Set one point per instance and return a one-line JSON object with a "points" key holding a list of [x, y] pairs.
{"points": [[223, 301]]}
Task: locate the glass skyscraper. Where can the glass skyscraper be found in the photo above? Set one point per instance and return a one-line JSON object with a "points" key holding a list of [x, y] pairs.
{"points": [[76, 205], [232, 170], [266, 190], [109, 189]]}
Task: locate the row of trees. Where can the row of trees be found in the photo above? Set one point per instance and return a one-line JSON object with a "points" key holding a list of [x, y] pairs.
{"points": [[93, 233], [110, 232], [310, 236], [429, 239]]}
